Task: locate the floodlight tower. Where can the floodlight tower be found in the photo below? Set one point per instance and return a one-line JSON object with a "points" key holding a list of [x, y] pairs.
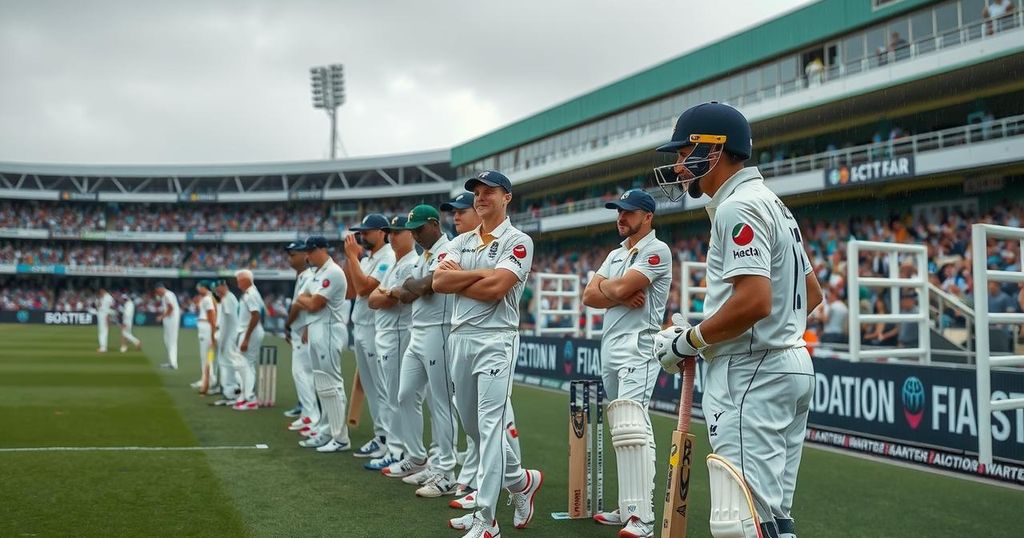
{"points": [[328, 84]]}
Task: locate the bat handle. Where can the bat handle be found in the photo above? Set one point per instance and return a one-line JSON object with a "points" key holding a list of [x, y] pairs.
{"points": [[688, 368]]}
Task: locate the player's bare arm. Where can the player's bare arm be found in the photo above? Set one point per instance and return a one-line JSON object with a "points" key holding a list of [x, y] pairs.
{"points": [[450, 278], [382, 298], [627, 290], [254, 321], [491, 288], [312, 303], [360, 282], [750, 302], [814, 295], [414, 288]]}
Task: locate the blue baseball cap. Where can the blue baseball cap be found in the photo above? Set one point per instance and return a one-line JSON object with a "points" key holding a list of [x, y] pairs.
{"points": [[397, 223], [462, 201], [314, 242], [373, 221], [296, 246], [633, 200], [491, 178]]}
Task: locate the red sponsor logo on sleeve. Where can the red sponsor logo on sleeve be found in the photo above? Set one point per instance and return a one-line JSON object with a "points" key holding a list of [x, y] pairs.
{"points": [[654, 259], [742, 234], [326, 283], [441, 256], [519, 251]]}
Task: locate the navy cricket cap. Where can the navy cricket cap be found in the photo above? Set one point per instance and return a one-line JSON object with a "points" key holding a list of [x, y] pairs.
{"points": [[491, 178], [314, 242], [633, 200], [462, 201], [373, 221], [397, 223], [296, 246]]}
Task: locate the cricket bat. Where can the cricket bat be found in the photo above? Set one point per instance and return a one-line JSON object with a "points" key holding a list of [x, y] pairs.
{"points": [[205, 386], [677, 494], [355, 404], [579, 456]]}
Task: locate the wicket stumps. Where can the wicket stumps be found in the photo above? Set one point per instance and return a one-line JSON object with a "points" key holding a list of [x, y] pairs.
{"points": [[586, 473], [266, 377]]}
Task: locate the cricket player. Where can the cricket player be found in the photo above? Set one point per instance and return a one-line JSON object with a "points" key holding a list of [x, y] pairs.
{"points": [[295, 332], [104, 309], [227, 327], [760, 287], [365, 276], [392, 332], [170, 316], [327, 334], [248, 339], [487, 270], [206, 326], [632, 284], [426, 363], [127, 320]]}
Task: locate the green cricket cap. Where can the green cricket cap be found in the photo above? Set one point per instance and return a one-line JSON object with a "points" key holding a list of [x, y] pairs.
{"points": [[420, 215]]}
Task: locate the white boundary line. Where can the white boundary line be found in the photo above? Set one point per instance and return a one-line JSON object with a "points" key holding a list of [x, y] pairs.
{"points": [[133, 448]]}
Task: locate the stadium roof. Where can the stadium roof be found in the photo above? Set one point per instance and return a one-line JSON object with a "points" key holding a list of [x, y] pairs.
{"points": [[802, 27]]}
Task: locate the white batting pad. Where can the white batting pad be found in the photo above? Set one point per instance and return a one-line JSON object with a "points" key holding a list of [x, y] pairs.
{"points": [[627, 420], [732, 507], [332, 400]]}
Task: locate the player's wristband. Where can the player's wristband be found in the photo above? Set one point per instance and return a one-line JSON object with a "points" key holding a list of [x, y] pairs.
{"points": [[695, 338]]}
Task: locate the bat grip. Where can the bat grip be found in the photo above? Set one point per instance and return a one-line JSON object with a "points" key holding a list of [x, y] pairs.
{"points": [[688, 369]]}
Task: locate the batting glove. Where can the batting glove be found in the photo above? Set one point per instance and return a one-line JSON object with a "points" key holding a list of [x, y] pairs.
{"points": [[663, 348]]}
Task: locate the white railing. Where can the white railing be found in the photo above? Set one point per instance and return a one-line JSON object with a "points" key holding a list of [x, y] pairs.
{"points": [[566, 288], [894, 282], [980, 234], [941, 301], [688, 291]]}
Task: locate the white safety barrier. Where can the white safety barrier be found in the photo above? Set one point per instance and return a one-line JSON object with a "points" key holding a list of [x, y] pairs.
{"points": [[980, 234], [688, 291], [919, 283], [564, 289]]}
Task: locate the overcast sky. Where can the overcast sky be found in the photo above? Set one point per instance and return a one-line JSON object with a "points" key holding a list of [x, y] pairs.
{"points": [[206, 81]]}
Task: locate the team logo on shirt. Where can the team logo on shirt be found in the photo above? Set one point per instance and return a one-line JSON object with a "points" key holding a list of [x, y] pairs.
{"points": [[519, 251], [326, 283], [742, 234], [653, 259], [440, 257], [493, 251]]}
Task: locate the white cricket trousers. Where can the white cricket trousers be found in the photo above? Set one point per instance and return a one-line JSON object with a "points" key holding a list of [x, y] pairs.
{"points": [[103, 329], [483, 364], [205, 343], [391, 346], [756, 409], [425, 366], [245, 362], [631, 374], [230, 382], [171, 338], [126, 333], [326, 344], [302, 374], [369, 374]]}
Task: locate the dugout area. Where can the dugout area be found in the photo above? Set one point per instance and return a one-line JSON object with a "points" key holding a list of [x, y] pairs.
{"points": [[56, 392]]}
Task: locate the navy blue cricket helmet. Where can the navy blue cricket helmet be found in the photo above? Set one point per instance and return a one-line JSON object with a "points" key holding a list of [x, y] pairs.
{"points": [[712, 128]]}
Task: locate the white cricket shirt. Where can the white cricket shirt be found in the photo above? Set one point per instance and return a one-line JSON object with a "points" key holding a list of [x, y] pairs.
{"points": [[205, 305], [753, 233], [227, 315], [652, 258], [302, 281], [374, 266], [250, 302], [436, 308], [400, 315], [171, 300], [329, 282]]}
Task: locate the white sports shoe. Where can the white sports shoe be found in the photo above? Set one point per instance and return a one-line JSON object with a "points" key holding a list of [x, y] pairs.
{"points": [[482, 529], [438, 486], [335, 446], [637, 529], [462, 523], [299, 423], [465, 502], [523, 500], [315, 441], [420, 478], [405, 467], [609, 518], [196, 384]]}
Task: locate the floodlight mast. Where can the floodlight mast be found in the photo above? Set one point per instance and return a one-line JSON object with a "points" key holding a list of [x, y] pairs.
{"points": [[328, 86]]}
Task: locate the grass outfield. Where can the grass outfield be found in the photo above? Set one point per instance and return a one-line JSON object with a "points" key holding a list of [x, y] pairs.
{"points": [[56, 392]]}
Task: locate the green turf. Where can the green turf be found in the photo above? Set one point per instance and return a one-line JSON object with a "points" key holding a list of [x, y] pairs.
{"points": [[55, 391]]}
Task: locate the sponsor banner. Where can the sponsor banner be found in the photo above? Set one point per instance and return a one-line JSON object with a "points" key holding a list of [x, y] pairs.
{"points": [[24, 233], [159, 237], [869, 172], [79, 196], [69, 318], [306, 195], [197, 197], [929, 407], [48, 269], [8, 268], [212, 237], [260, 237]]}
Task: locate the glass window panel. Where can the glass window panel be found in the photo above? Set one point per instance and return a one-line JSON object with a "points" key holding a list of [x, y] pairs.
{"points": [[877, 45], [752, 80], [921, 25], [788, 69], [707, 93], [620, 124], [667, 110], [970, 11], [853, 48], [735, 86], [947, 21], [770, 75]]}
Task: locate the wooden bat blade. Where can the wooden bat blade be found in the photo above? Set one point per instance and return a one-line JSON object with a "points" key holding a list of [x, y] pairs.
{"points": [[677, 493], [578, 492], [355, 404]]}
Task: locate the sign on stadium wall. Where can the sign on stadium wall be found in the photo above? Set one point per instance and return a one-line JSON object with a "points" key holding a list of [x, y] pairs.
{"points": [[920, 414], [67, 318], [869, 172]]}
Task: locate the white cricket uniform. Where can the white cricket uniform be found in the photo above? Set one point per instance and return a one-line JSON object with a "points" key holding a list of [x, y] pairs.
{"points": [[205, 332], [392, 333], [103, 313], [245, 361], [628, 367], [426, 365], [758, 385], [227, 328], [374, 266], [171, 325], [127, 320], [328, 337], [302, 367], [484, 343]]}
